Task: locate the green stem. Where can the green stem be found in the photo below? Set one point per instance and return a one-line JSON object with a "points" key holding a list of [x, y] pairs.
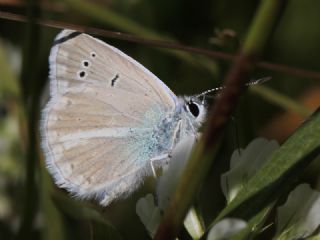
{"points": [[262, 26], [10, 85], [202, 156], [280, 100], [31, 111]]}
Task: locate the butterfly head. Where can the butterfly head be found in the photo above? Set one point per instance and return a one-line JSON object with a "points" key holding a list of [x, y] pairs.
{"points": [[195, 109]]}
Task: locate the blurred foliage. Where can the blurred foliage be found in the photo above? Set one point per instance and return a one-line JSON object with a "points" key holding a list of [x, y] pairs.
{"points": [[31, 207]]}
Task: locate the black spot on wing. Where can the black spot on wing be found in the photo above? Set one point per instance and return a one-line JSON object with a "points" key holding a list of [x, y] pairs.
{"points": [[82, 74], [113, 80], [66, 38], [85, 63]]}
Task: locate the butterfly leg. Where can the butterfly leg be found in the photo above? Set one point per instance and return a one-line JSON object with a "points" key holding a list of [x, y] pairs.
{"points": [[160, 158], [166, 156], [195, 133], [176, 136]]}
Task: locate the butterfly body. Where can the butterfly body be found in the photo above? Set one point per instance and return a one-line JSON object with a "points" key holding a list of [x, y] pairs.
{"points": [[171, 129], [108, 118]]}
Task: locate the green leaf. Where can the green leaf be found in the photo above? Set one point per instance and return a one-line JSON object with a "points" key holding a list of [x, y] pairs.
{"points": [[146, 208], [226, 228], [255, 225], [280, 171], [194, 224], [299, 217], [149, 213], [85, 212], [244, 164], [8, 78], [168, 181], [313, 238]]}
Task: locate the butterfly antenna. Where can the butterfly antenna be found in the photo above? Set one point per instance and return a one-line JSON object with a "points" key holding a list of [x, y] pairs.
{"points": [[253, 82], [258, 81], [210, 91]]}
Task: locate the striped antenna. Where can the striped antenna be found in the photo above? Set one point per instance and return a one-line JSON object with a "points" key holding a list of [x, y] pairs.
{"points": [[253, 82]]}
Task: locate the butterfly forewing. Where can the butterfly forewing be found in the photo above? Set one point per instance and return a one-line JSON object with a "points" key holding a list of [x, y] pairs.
{"points": [[82, 59], [103, 110]]}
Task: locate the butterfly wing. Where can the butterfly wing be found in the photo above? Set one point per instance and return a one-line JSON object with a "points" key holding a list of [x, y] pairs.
{"points": [[79, 59], [98, 125]]}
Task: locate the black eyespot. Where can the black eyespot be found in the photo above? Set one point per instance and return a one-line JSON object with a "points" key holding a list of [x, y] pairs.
{"points": [[85, 63], [194, 108], [82, 74], [93, 54]]}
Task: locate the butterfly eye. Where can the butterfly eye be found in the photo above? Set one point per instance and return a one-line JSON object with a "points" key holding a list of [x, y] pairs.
{"points": [[193, 108]]}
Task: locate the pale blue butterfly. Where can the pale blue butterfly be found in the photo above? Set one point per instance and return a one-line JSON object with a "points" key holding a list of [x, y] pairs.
{"points": [[109, 119]]}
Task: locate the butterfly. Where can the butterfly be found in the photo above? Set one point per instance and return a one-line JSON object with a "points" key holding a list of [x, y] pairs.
{"points": [[109, 121]]}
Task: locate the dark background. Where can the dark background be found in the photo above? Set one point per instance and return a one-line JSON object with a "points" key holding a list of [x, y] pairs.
{"points": [[214, 25]]}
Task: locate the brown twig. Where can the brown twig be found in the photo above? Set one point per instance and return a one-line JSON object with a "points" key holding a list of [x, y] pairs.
{"points": [[163, 44]]}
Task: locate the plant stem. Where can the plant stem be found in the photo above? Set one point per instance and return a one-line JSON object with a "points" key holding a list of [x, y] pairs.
{"points": [[31, 108], [201, 158], [224, 56], [281, 100]]}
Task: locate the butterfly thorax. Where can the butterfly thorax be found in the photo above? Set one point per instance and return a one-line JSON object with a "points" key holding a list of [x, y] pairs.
{"points": [[176, 126]]}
